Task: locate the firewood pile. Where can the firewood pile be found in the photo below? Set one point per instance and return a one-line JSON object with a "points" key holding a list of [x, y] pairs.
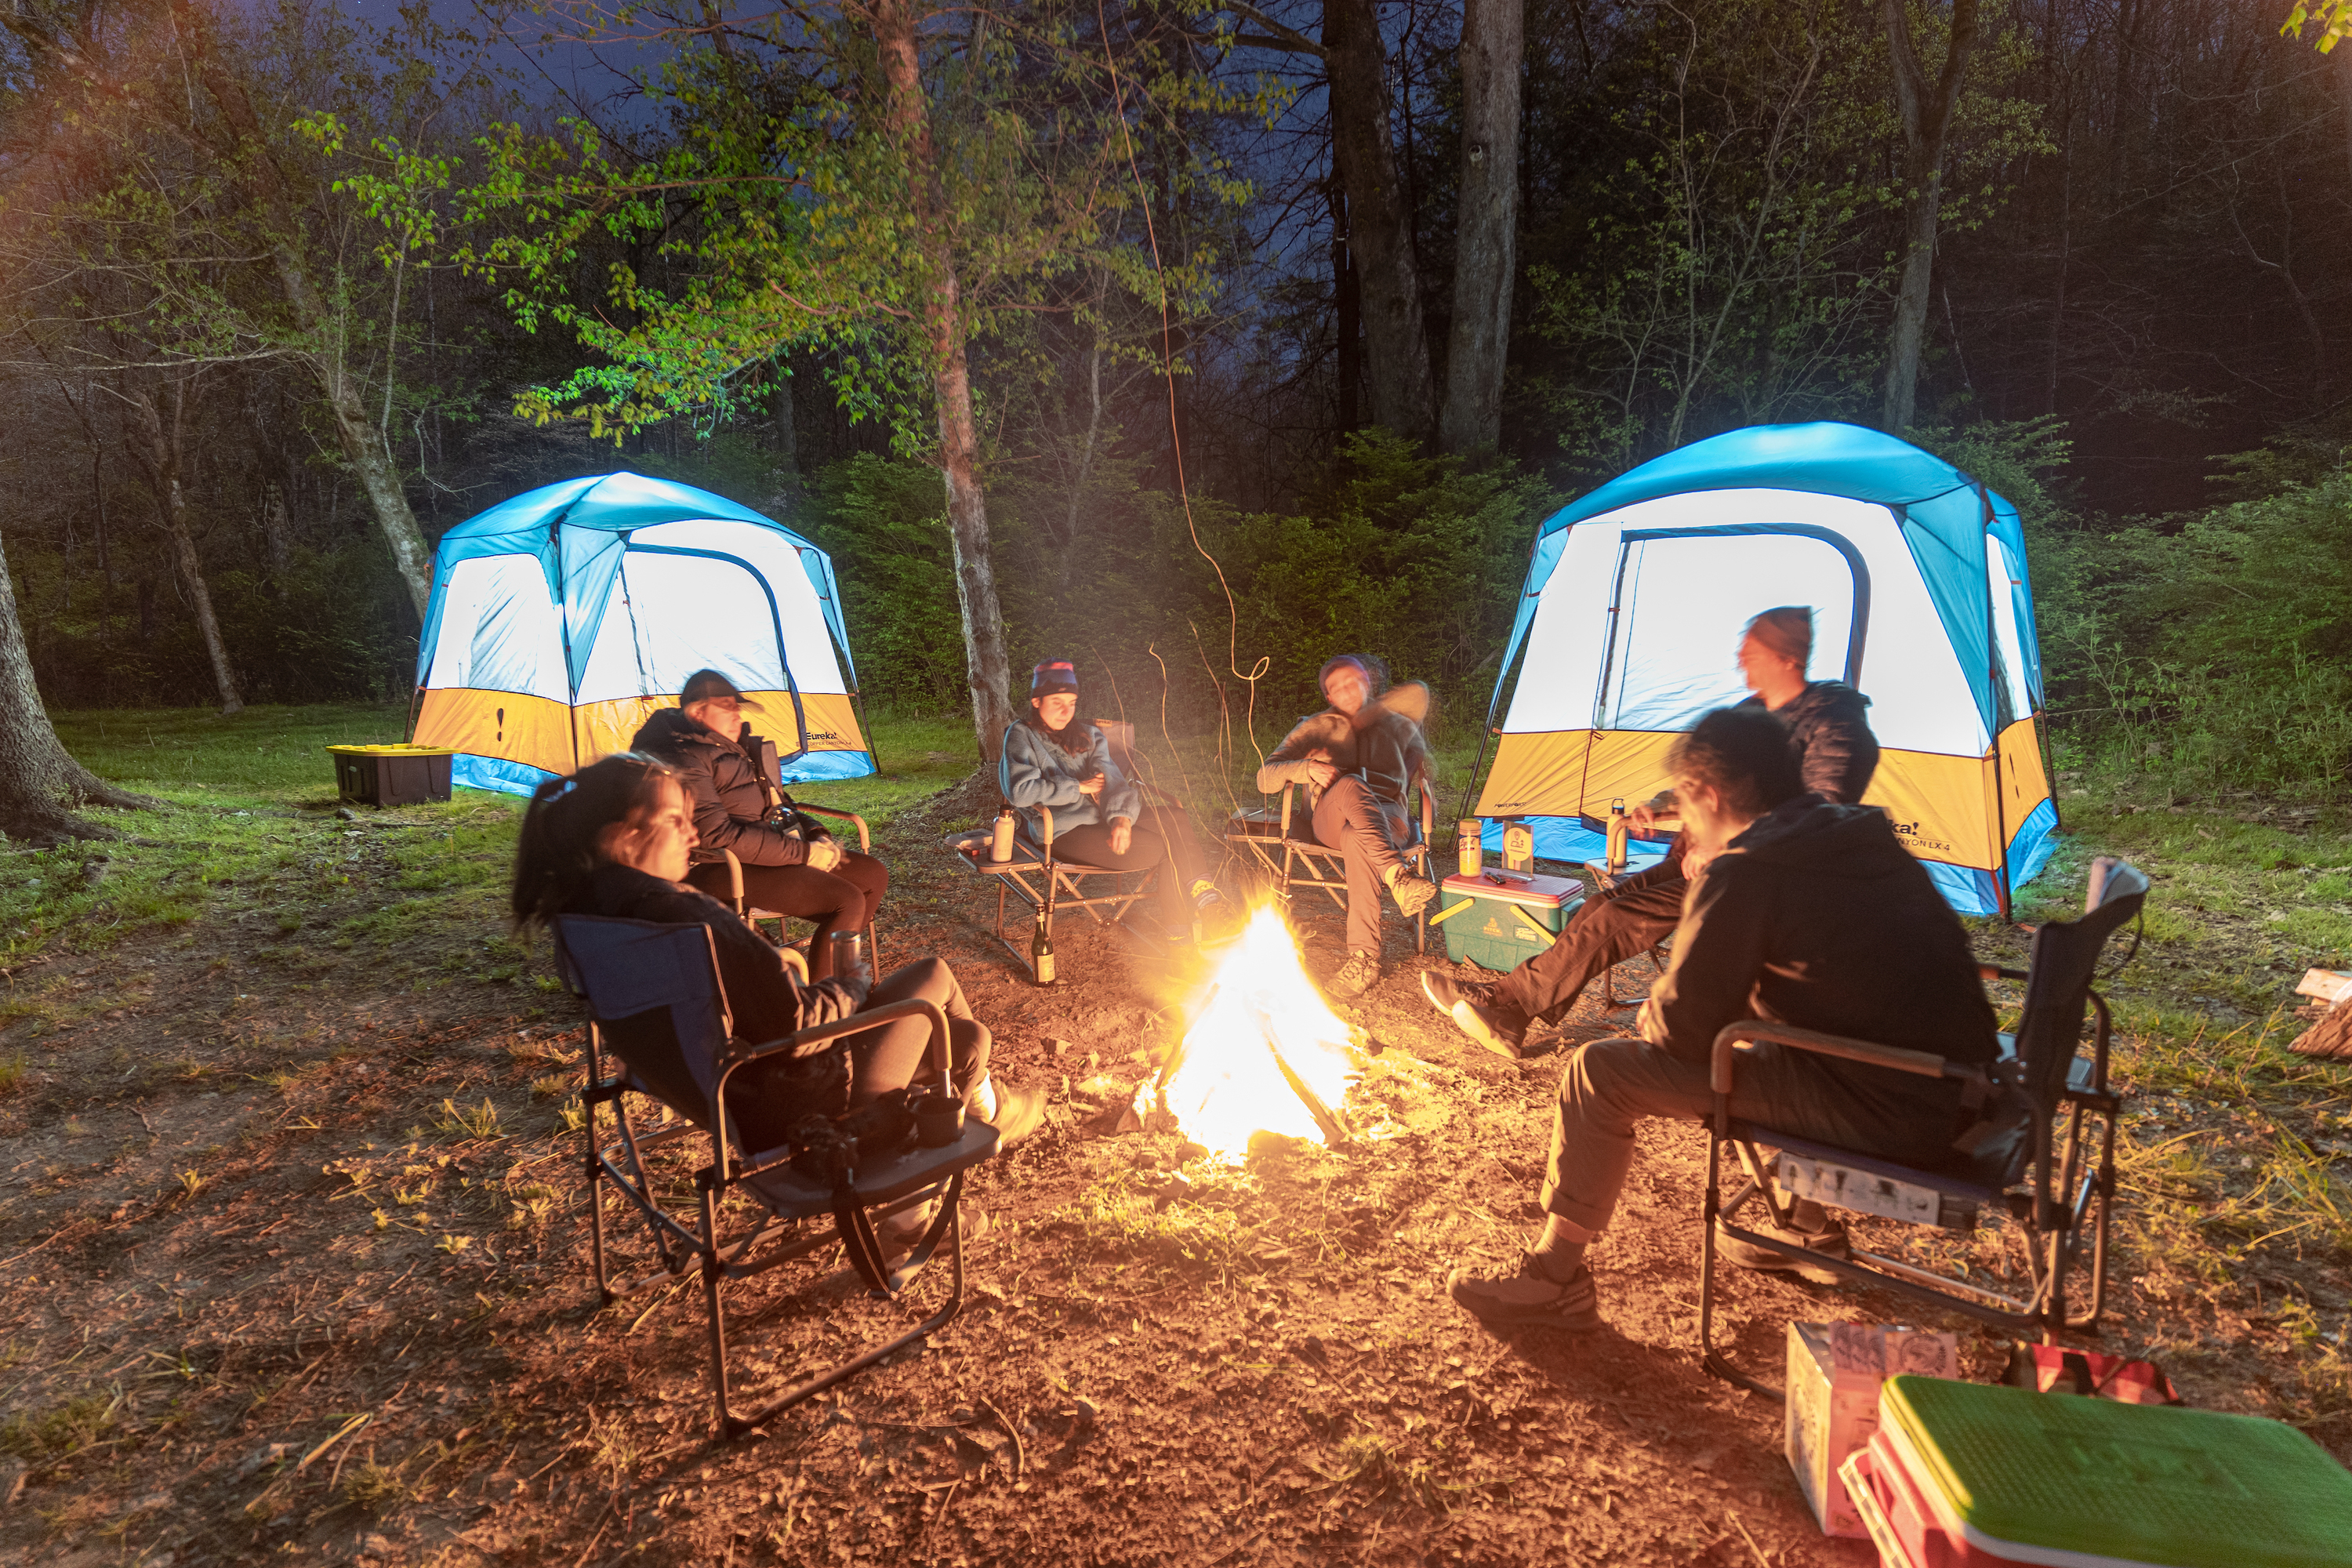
{"points": [[2330, 1033]]}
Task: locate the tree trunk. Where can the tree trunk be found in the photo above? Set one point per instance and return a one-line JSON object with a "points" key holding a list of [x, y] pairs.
{"points": [[160, 443], [39, 783], [908, 122], [1380, 221], [1486, 226], [791, 495], [1347, 307], [1926, 112], [252, 163], [277, 530]]}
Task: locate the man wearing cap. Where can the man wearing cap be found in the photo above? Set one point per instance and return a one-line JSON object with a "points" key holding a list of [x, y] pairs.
{"points": [[791, 865], [1829, 736], [1360, 760]]}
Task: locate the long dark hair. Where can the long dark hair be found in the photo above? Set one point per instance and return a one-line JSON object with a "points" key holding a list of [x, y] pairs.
{"points": [[1076, 737], [557, 852]]}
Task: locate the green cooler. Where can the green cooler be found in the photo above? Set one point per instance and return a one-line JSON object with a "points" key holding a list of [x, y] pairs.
{"points": [[1964, 1475], [1499, 919]]}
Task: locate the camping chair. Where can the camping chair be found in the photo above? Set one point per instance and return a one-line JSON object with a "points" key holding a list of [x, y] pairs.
{"points": [[654, 995], [1283, 846], [2057, 1182], [1046, 885], [737, 900]]}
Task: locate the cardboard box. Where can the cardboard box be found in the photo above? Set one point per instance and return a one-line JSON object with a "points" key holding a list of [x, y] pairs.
{"points": [[1835, 1374]]}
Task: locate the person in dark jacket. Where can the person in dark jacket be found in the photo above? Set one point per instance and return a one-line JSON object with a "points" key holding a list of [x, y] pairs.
{"points": [[792, 865], [1800, 910], [1828, 733], [1360, 759], [615, 839], [1101, 818]]}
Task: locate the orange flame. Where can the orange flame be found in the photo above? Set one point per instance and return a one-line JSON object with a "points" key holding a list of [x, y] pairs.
{"points": [[1227, 1085]]}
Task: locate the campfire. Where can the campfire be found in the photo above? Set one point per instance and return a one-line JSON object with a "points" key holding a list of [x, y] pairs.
{"points": [[1265, 1054]]}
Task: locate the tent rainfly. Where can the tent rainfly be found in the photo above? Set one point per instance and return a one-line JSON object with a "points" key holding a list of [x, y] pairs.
{"points": [[562, 618], [1635, 603]]}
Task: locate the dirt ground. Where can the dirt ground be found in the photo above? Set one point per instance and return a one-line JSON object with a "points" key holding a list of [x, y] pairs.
{"points": [[299, 1271]]}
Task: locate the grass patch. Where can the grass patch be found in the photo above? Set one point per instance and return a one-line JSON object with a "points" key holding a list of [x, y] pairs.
{"points": [[63, 1430]]}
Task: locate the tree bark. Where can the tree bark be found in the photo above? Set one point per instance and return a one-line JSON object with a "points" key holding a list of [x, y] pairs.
{"points": [[907, 120], [1487, 225], [789, 493], [1347, 308], [252, 164], [1926, 112], [159, 445], [1380, 221], [40, 782]]}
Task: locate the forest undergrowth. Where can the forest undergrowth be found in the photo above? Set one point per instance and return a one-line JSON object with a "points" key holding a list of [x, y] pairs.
{"points": [[291, 1254]]}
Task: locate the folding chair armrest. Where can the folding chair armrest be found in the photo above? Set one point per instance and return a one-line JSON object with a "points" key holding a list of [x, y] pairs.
{"points": [[1428, 808], [734, 880], [864, 841], [1760, 1031], [2000, 972], [1045, 815], [736, 1058], [794, 960]]}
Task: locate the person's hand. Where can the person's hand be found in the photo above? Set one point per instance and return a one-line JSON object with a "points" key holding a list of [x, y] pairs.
{"points": [[1122, 834], [1696, 862], [1321, 770], [823, 854], [1091, 785], [857, 979], [1647, 813]]}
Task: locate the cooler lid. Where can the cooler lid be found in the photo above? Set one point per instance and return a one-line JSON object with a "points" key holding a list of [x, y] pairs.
{"points": [[1516, 888], [2075, 1482]]}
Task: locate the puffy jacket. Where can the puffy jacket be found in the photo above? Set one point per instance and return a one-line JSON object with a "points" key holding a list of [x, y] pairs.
{"points": [[1033, 770], [767, 1003], [1829, 729], [1383, 744], [1817, 916], [731, 797]]}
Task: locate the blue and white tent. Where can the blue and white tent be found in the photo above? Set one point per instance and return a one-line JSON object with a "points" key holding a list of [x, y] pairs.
{"points": [[1917, 573], [562, 618]]}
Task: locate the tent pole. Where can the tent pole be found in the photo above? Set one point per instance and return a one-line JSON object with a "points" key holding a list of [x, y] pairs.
{"points": [[1992, 677]]}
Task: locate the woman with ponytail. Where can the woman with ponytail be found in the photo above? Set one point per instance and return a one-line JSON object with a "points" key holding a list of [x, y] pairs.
{"points": [[615, 839]]}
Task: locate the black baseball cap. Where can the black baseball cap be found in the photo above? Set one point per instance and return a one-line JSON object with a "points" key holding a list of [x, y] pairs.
{"points": [[706, 684]]}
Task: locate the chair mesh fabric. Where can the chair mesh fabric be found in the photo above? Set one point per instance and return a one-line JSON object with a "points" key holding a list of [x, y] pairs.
{"points": [[2065, 956], [630, 969]]}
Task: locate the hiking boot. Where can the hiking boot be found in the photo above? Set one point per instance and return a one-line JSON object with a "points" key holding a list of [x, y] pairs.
{"points": [[1357, 975], [1829, 1240], [1019, 1112], [1471, 1005], [1526, 1294], [1411, 893]]}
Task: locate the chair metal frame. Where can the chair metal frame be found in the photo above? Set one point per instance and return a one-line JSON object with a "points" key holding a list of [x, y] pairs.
{"points": [[786, 1197], [1324, 867], [2057, 1182], [753, 917], [1047, 884]]}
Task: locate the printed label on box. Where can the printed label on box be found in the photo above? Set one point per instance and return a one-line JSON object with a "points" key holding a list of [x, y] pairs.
{"points": [[1834, 1372]]}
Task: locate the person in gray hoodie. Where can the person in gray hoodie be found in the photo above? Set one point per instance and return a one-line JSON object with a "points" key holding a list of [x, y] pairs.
{"points": [[1101, 818], [1802, 912]]}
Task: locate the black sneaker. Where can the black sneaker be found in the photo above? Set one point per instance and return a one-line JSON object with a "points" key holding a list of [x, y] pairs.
{"points": [[1830, 1241], [1497, 1026], [1357, 975], [1526, 1294]]}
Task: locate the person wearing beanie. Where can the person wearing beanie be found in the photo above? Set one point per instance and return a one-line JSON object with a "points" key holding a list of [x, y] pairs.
{"points": [[1101, 818], [1360, 759], [1828, 730], [792, 865]]}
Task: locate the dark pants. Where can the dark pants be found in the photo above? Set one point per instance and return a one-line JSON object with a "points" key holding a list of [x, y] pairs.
{"points": [[1163, 838], [844, 899], [1369, 834], [764, 1101], [1605, 931], [1610, 1084]]}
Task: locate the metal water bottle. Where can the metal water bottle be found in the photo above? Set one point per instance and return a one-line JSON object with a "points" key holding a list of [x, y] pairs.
{"points": [[1618, 829], [1000, 842], [1470, 848], [1041, 953], [1519, 848]]}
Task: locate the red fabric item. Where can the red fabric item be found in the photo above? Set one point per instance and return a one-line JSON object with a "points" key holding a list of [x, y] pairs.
{"points": [[2053, 1369]]}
